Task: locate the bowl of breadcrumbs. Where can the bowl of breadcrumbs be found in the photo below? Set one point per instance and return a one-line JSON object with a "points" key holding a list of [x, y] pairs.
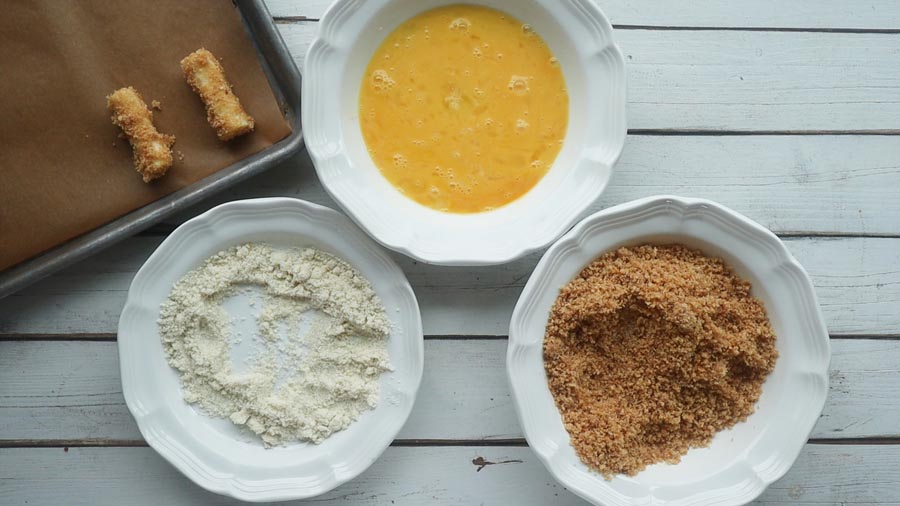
{"points": [[668, 351]]}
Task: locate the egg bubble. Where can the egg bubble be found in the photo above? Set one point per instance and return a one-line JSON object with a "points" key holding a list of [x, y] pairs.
{"points": [[381, 80], [528, 30], [460, 24], [518, 85], [521, 124], [554, 61], [453, 100], [399, 160]]}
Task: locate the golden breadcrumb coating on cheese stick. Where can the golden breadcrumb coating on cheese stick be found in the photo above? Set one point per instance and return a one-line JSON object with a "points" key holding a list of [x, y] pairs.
{"points": [[223, 109], [152, 150]]}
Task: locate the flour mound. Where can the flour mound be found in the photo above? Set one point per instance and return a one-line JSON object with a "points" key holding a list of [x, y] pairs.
{"points": [[317, 382]]}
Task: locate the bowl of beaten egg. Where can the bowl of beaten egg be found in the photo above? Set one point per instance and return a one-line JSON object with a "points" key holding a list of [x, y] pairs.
{"points": [[464, 134]]}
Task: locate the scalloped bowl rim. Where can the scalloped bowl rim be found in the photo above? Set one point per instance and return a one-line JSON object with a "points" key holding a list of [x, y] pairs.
{"points": [[190, 449], [757, 466], [595, 73]]}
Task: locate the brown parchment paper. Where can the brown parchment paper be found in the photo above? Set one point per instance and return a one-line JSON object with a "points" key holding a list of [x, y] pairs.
{"points": [[63, 169]]}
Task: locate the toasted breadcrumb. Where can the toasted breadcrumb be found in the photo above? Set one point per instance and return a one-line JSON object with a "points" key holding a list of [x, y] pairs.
{"points": [[223, 109], [152, 150], [156, 105], [650, 351]]}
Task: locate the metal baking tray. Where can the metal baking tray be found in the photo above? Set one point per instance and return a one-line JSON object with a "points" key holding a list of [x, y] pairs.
{"points": [[284, 78]]}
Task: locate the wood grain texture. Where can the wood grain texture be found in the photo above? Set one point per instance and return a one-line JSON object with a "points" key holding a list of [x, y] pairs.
{"points": [[72, 391], [712, 67], [824, 474], [745, 80], [830, 14], [857, 280]]}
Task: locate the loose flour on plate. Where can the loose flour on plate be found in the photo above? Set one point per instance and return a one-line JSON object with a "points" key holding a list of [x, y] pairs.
{"points": [[313, 383]]}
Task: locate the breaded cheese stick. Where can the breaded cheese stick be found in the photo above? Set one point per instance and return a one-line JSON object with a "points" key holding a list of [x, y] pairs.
{"points": [[152, 150], [223, 109]]}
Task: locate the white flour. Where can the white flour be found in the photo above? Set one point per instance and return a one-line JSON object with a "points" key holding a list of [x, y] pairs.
{"points": [[312, 385]]}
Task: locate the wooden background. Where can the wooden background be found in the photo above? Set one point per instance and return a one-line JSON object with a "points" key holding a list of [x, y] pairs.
{"points": [[788, 112]]}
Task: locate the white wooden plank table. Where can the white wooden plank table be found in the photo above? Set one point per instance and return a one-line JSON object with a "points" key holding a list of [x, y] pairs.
{"points": [[788, 112]]}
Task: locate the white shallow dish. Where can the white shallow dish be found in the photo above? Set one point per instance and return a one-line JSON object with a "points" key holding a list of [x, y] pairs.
{"points": [[215, 453], [580, 37], [741, 461]]}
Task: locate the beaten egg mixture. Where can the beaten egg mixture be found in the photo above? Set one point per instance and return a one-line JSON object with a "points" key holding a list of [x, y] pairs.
{"points": [[463, 108]]}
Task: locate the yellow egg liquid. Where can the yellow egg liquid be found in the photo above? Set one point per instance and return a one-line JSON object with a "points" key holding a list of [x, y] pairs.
{"points": [[463, 108]]}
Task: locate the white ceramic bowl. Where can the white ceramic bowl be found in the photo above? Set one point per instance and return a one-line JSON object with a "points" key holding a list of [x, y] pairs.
{"points": [[213, 452], [741, 461], [580, 37]]}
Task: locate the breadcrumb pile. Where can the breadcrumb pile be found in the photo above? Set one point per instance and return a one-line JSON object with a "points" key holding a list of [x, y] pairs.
{"points": [[650, 351]]}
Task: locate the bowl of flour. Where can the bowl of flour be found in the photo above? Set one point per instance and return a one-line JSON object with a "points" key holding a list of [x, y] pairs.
{"points": [[270, 350]]}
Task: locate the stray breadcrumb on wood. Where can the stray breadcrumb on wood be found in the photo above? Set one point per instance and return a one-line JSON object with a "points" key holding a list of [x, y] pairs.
{"points": [[156, 105], [650, 351], [223, 109], [180, 156], [152, 150]]}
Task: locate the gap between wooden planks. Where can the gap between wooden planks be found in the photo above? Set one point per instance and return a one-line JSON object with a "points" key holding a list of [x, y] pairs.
{"points": [[398, 443]]}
